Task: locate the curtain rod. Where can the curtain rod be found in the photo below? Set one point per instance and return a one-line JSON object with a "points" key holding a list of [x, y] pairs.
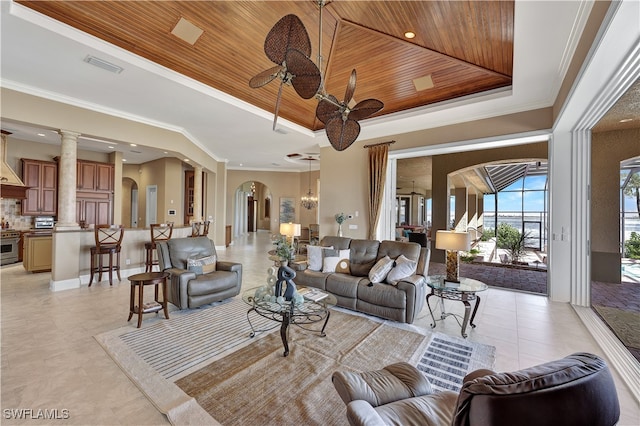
{"points": [[381, 143]]}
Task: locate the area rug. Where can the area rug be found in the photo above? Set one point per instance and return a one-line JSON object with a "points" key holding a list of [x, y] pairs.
{"points": [[623, 323], [249, 381]]}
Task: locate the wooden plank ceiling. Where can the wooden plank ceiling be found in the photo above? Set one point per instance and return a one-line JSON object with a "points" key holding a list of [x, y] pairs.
{"points": [[465, 46]]}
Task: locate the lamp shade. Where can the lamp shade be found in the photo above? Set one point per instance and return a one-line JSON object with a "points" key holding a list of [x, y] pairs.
{"points": [[290, 229], [452, 240]]}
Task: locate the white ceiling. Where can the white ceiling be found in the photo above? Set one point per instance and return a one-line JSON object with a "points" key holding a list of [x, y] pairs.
{"points": [[48, 62]]}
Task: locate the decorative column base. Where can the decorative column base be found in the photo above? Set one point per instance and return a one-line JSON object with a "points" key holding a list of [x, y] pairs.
{"points": [[452, 266]]}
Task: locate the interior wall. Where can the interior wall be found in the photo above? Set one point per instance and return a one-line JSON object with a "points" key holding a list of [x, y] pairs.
{"points": [[608, 149]]}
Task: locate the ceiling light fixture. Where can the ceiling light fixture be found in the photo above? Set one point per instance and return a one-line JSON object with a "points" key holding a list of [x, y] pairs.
{"points": [[309, 201], [288, 46], [105, 65], [409, 34], [626, 120]]}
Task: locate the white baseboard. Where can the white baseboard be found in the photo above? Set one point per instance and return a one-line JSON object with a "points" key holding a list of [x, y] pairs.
{"points": [[64, 284], [621, 359]]}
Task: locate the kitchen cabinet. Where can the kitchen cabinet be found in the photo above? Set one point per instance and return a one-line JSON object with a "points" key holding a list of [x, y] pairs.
{"points": [[94, 176], [37, 252], [42, 196], [94, 208]]}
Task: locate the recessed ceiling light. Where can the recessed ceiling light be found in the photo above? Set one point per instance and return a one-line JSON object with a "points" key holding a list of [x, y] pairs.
{"points": [[626, 120], [166, 152], [124, 159], [41, 134], [409, 34], [111, 147], [241, 164], [133, 144], [186, 160]]}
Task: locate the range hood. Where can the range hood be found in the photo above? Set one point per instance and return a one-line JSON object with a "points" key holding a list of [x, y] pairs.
{"points": [[11, 186]]}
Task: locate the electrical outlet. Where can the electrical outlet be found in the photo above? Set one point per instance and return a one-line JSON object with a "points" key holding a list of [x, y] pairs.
{"points": [[127, 262]]}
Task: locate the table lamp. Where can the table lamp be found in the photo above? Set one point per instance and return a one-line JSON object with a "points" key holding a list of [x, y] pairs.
{"points": [[290, 230], [453, 242]]}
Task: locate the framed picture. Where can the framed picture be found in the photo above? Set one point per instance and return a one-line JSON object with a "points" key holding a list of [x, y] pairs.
{"points": [[287, 209]]}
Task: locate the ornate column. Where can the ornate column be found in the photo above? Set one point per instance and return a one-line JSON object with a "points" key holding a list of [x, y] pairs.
{"points": [[197, 193], [67, 181]]}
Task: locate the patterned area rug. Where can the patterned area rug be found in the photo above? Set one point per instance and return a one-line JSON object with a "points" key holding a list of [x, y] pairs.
{"points": [[448, 359], [201, 365]]}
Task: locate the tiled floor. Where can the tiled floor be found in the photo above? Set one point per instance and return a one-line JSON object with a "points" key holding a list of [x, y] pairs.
{"points": [[50, 359]]}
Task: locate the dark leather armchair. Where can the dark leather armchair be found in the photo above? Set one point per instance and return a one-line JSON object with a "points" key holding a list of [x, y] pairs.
{"points": [[186, 288], [574, 391]]}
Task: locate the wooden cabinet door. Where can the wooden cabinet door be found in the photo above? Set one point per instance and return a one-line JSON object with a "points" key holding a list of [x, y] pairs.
{"points": [[42, 197], [104, 177], [86, 178], [49, 189]]}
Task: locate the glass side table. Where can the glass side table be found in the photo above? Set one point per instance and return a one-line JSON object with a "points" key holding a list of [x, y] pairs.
{"points": [[464, 291]]}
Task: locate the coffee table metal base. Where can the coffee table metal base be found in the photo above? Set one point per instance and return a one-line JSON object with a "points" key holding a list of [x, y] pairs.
{"points": [[287, 317]]}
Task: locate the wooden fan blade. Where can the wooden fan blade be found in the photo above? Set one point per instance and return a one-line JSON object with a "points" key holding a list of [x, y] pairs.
{"points": [[264, 77], [327, 109], [364, 109], [342, 134], [275, 114], [288, 33], [306, 75], [351, 88]]}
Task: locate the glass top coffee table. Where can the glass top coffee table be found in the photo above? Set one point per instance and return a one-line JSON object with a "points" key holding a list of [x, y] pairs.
{"points": [[464, 291], [305, 312]]}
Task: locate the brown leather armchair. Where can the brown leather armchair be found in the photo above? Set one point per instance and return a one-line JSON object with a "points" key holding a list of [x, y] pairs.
{"points": [[574, 391]]}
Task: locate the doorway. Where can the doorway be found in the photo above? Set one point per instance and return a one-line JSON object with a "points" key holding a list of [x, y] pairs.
{"points": [[152, 205]]}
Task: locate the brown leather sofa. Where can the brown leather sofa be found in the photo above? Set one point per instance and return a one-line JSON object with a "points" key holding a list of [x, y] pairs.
{"points": [[402, 302], [574, 391], [187, 290]]}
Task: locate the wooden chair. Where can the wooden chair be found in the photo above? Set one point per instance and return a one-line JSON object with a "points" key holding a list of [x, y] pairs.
{"points": [[303, 240], [159, 232], [200, 229], [314, 233], [108, 240]]}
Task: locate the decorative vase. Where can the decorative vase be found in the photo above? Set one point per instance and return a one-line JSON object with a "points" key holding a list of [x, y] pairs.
{"points": [[339, 230]]}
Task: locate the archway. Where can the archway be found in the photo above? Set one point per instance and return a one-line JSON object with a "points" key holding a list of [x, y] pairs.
{"points": [[253, 208]]}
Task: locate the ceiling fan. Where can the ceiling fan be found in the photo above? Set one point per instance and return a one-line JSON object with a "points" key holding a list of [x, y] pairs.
{"points": [[287, 44]]}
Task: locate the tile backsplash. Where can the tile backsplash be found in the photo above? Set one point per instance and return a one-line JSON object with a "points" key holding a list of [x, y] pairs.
{"points": [[10, 210]]}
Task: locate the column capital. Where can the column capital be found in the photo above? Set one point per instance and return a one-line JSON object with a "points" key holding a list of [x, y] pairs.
{"points": [[69, 133]]}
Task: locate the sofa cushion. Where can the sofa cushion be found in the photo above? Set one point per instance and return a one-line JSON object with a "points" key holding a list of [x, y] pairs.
{"points": [[314, 257], [311, 278], [332, 258], [402, 268], [364, 254], [214, 282], [379, 272], [344, 285], [393, 249], [381, 294]]}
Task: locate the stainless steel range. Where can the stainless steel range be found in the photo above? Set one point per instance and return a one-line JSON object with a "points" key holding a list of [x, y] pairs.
{"points": [[9, 246]]}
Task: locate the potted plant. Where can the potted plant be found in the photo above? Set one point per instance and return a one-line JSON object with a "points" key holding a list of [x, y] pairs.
{"points": [[340, 218], [284, 249]]}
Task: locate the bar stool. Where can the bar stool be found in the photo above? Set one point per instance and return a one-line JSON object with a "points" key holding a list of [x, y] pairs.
{"points": [[200, 229], [108, 242], [159, 232]]}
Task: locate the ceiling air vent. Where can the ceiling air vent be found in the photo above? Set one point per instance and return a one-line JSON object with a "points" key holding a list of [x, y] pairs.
{"points": [[101, 63]]}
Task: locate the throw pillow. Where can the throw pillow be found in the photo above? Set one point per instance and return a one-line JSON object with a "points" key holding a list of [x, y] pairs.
{"points": [[403, 268], [202, 264], [343, 266], [379, 272], [332, 258], [314, 257]]}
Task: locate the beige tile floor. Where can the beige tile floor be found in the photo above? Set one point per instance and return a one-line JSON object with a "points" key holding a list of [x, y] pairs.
{"points": [[50, 359]]}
